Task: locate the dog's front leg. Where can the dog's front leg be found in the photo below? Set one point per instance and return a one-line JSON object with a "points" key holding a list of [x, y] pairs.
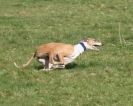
{"points": [[60, 63], [61, 59]]}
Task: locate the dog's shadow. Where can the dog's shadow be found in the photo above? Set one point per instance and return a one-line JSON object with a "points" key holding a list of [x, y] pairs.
{"points": [[69, 66], [40, 67]]}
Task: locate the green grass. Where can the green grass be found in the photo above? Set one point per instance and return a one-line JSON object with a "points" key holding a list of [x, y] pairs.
{"points": [[102, 78]]}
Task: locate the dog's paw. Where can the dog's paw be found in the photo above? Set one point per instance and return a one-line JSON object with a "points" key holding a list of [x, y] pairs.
{"points": [[47, 69], [59, 66]]}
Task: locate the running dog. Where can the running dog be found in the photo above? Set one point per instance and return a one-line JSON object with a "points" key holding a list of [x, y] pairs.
{"points": [[57, 55]]}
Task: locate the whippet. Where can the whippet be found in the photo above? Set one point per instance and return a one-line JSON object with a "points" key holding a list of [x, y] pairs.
{"points": [[57, 55]]}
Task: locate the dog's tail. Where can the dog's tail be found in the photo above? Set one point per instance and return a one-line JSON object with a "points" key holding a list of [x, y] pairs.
{"points": [[26, 64]]}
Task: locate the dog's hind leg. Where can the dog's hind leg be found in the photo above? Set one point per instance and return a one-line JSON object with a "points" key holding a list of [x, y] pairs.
{"points": [[47, 66], [43, 61]]}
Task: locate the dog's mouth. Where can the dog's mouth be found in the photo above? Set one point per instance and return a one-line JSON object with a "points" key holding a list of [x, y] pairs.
{"points": [[96, 46]]}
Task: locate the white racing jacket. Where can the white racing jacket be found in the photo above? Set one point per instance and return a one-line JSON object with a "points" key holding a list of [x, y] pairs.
{"points": [[78, 49]]}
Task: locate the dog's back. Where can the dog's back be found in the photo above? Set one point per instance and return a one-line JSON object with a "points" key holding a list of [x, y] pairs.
{"points": [[54, 48]]}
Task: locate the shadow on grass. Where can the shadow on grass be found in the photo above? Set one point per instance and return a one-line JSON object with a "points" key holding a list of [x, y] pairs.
{"points": [[69, 66], [39, 67]]}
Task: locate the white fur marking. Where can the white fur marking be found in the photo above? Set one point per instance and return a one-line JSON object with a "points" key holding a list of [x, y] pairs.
{"points": [[42, 61]]}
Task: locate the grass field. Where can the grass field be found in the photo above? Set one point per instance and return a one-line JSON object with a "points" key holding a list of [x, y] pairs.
{"points": [[102, 78]]}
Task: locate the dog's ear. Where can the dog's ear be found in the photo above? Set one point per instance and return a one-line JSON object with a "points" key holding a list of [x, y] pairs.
{"points": [[85, 39]]}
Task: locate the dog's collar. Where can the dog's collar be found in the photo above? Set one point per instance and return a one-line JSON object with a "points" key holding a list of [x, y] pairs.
{"points": [[82, 44]]}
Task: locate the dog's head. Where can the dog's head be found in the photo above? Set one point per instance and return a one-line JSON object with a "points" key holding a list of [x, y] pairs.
{"points": [[92, 43]]}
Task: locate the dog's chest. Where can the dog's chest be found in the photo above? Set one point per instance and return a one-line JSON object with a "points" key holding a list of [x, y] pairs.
{"points": [[78, 49]]}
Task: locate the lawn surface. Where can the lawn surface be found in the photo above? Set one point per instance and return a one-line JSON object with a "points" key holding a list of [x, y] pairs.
{"points": [[102, 78]]}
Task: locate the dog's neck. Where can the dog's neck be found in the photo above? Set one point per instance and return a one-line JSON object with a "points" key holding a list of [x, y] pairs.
{"points": [[80, 48], [83, 45]]}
